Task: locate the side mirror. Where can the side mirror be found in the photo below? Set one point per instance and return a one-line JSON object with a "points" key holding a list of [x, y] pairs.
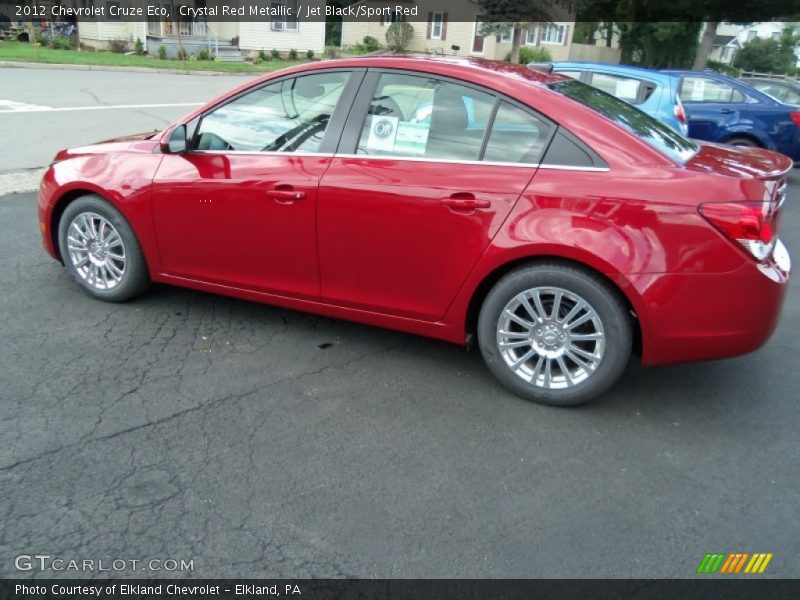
{"points": [[176, 142]]}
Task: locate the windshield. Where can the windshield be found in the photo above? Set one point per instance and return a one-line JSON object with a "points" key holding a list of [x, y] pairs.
{"points": [[660, 136]]}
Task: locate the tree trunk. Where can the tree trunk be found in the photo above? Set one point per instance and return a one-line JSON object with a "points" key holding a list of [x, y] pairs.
{"points": [[516, 43], [609, 33], [701, 58]]}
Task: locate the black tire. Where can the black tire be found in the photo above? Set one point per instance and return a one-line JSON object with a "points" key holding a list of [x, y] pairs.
{"points": [[743, 141], [602, 297], [135, 277]]}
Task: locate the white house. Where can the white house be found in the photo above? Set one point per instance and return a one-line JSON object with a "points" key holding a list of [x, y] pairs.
{"points": [[730, 38]]}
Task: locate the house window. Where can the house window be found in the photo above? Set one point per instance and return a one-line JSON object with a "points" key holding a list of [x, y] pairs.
{"points": [[391, 17], [776, 35], [508, 36], [553, 34], [287, 22], [530, 37], [723, 54], [751, 34], [436, 25]]}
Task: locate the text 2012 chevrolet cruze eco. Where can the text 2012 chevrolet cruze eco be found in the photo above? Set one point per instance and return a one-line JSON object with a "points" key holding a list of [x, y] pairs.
{"points": [[444, 197]]}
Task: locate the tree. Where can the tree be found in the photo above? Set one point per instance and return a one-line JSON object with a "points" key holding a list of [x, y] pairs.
{"points": [[658, 45], [399, 35], [501, 15], [768, 55]]}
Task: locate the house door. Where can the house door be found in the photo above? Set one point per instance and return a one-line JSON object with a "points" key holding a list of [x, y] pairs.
{"points": [[477, 38]]}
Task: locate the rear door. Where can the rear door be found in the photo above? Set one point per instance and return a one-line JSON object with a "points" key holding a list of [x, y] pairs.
{"points": [[419, 186], [712, 106]]}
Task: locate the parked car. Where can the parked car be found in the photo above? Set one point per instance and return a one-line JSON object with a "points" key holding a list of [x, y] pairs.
{"points": [[723, 109], [559, 226], [782, 90], [651, 91]]}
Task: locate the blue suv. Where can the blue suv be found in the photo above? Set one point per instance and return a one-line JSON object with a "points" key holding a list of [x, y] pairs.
{"points": [[701, 104], [653, 92], [722, 109]]}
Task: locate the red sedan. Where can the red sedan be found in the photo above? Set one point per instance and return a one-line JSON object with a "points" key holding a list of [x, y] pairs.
{"points": [[560, 227]]}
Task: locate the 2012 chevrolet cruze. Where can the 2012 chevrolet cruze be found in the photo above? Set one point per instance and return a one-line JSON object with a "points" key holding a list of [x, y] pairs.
{"points": [[445, 197]]}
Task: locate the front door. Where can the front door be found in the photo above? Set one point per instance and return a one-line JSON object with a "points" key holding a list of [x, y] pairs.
{"points": [[239, 208], [420, 185], [711, 106]]}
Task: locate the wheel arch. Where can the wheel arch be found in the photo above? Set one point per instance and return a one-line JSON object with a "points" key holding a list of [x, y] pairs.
{"points": [[748, 135], [60, 206], [490, 279]]}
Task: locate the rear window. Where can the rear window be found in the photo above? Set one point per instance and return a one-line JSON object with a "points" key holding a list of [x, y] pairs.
{"points": [[660, 136]]}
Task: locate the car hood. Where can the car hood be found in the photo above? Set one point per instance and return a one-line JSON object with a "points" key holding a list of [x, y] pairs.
{"points": [[739, 161], [138, 143]]}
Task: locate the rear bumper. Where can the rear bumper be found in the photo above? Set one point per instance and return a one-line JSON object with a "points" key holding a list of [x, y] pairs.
{"points": [[708, 316]]}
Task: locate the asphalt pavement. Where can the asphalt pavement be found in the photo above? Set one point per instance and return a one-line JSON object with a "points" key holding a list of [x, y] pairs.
{"points": [[261, 442]]}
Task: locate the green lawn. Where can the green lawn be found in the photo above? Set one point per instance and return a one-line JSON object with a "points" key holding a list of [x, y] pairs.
{"points": [[24, 52]]}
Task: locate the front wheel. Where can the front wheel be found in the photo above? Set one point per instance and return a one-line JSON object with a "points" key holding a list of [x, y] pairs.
{"points": [[100, 250], [555, 334]]}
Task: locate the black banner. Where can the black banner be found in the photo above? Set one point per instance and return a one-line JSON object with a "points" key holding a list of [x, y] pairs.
{"points": [[399, 589]]}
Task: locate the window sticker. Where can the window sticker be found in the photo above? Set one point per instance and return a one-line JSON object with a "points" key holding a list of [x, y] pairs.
{"points": [[698, 90], [382, 133], [411, 138], [627, 89]]}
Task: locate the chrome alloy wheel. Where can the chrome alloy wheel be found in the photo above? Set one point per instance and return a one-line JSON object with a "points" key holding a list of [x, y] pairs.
{"points": [[96, 251], [550, 337]]}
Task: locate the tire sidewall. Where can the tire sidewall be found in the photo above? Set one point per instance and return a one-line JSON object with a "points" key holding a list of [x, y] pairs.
{"points": [[605, 301], [135, 278]]}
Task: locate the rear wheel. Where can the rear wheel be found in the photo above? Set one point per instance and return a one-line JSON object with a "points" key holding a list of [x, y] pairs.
{"points": [[744, 141], [555, 334], [100, 250]]}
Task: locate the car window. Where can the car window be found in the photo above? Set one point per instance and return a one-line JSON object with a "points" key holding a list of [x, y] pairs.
{"points": [[779, 92], [702, 89], [288, 116], [516, 136], [624, 88], [426, 117], [660, 136]]}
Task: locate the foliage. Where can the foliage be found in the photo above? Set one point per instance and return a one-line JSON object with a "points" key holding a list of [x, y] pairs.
{"points": [[399, 35], [310, 54], [258, 60], [768, 55], [371, 44], [262, 56], [501, 15], [721, 67], [529, 55], [292, 54], [657, 44], [203, 54], [333, 29], [40, 38], [138, 47], [61, 42], [275, 54], [118, 46], [331, 52], [182, 54], [162, 52]]}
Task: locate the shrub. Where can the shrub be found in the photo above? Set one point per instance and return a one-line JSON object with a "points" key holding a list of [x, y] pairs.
{"points": [[371, 44], [529, 55], [182, 54], [720, 67], [258, 60], [399, 35], [292, 54], [162, 52], [40, 39], [275, 54], [331, 52], [61, 42], [203, 54], [357, 49], [138, 47], [310, 54], [262, 56], [118, 46]]}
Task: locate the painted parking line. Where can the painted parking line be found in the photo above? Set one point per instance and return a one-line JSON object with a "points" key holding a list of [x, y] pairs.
{"points": [[11, 107]]}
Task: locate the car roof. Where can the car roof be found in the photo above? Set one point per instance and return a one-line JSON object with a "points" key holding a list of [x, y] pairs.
{"points": [[784, 82], [612, 68]]}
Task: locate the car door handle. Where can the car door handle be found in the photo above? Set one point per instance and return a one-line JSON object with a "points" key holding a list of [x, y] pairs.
{"points": [[465, 202], [727, 111], [285, 194]]}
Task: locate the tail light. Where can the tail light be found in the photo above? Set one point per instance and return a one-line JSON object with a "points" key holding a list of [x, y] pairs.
{"points": [[795, 117], [680, 114], [753, 225]]}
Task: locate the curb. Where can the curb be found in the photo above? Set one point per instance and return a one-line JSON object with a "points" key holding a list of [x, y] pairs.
{"points": [[12, 64]]}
